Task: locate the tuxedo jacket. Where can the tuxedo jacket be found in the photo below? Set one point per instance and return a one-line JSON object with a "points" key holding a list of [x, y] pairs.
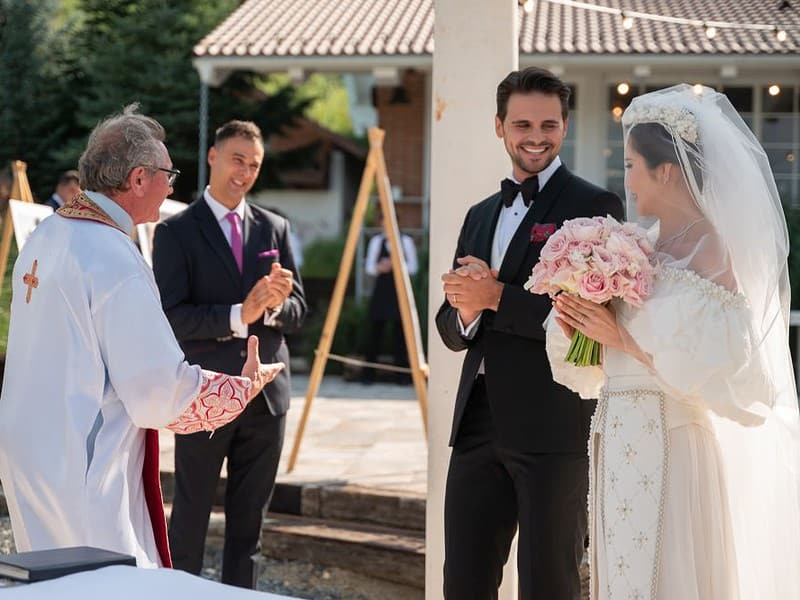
{"points": [[199, 281], [530, 412]]}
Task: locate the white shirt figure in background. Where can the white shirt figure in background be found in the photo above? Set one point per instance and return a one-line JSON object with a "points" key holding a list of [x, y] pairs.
{"points": [[383, 306], [93, 368]]}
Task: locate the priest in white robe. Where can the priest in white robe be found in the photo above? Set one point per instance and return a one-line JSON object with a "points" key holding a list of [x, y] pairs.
{"points": [[92, 366]]}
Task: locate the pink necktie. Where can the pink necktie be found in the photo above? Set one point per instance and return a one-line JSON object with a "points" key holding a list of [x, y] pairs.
{"points": [[236, 238]]}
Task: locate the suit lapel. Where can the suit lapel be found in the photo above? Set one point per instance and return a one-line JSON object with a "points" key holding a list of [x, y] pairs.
{"points": [[216, 239], [488, 223], [255, 231], [542, 204]]}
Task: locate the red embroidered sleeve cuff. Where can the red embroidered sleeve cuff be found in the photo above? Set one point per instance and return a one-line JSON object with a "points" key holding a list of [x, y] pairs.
{"points": [[220, 400]]}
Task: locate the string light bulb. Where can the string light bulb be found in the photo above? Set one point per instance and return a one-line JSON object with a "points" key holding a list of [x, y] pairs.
{"points": [[774, 90], [627, 21], [528, 6], [697, 88], [623, 88], [630, 18]]}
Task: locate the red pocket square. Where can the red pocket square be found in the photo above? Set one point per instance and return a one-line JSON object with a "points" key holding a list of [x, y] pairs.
{"points": [[541, 231]]}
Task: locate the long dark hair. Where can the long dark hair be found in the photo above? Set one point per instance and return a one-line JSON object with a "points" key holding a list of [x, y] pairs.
{"points": [[656, 144]]}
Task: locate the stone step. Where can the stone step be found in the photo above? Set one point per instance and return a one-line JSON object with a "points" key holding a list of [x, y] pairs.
{"points": [[396, 509], [386, 553], [399, 509]]}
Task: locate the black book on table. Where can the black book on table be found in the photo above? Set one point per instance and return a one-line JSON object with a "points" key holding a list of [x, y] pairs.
{"points": [[49, 564]]}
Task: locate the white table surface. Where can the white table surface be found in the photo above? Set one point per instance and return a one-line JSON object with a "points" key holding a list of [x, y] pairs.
{"points": [[130, 583]]}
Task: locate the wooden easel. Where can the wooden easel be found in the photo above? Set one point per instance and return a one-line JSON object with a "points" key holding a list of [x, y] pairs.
{"points": [[374, 171], [20, 190]]}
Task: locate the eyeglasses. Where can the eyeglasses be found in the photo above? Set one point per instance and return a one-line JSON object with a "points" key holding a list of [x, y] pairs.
{"points": [[173, 173]]}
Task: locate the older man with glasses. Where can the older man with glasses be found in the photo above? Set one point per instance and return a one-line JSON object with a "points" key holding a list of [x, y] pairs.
{"points": [[78, 446]]}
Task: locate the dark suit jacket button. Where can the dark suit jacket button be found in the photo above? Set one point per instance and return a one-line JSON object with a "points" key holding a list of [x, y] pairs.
{"points": [[243, 353]]}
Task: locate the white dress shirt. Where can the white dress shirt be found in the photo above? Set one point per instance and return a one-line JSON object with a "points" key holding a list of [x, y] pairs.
{"points": [[374, 251], [239, 329], [507, 224]]}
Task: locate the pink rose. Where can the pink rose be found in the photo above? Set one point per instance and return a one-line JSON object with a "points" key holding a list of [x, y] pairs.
{"points": [[594, 286], [584, 229], [538, 282], [619, 244], [555, 248], [617, 285], [642, 287], [604, 260], [643, 284], [564, 279]]}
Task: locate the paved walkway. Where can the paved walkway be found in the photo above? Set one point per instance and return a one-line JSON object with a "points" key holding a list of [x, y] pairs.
{"points": [[365, 435]]}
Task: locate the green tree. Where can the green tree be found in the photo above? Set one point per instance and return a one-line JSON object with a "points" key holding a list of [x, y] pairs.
{"points": [[327, 96], [36, 105], [140, 51]]}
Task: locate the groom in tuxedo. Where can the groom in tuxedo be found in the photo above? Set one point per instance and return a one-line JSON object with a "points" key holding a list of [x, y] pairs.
{"points": [[519, 439], [225, 270]]}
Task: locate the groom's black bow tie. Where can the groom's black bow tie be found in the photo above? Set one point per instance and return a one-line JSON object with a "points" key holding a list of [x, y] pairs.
{"points": [[509, 190]]}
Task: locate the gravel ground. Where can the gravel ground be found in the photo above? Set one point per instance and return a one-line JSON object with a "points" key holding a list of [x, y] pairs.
{"points": [[313, 582], [6, 539], [290, 578]]}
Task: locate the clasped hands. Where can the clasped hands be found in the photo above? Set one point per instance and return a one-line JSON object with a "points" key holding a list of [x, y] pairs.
{"points": [[384, 265], [269, 292], [472, 288]]}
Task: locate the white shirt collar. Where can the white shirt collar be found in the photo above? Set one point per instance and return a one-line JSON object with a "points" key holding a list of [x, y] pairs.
{"points": [[220, 210], [113, 210], [545, 174], [58, 199]]}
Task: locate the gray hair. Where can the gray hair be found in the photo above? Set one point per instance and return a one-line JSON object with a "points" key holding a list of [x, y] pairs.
{"points": [[116, 146]]}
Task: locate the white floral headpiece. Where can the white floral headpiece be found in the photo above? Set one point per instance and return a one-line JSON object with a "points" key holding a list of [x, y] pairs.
{"points": [[680, 121]]}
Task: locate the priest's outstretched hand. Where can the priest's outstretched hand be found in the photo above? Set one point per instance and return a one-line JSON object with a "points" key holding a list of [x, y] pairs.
{"points": [[257, 372], [222, 397]]}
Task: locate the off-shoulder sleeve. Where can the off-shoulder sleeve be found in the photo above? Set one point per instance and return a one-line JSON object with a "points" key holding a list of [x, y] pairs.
{"points": [[697, 335], [585, 381]]}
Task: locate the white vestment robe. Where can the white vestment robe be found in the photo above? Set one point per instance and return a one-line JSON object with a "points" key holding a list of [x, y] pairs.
{"points": [[92, 361]]}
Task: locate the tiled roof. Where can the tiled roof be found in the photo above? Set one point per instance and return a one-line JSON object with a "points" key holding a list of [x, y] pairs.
{"points": [[557, 29], [323, 28], [331, 28]]}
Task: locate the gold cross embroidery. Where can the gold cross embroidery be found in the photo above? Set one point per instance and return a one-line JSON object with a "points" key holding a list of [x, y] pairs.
{"points": [[31, 280]]}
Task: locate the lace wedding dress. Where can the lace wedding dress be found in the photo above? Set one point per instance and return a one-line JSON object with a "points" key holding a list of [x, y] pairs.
{"points": [[660, 525]]}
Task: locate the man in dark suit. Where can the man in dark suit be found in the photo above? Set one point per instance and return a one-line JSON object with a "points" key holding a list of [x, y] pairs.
{"points": [[519, 439], [225, 270], [67, 188]]}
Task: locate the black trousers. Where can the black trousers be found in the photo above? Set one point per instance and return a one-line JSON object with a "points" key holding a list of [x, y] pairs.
{"points": [[491, 490], [252, 444]]}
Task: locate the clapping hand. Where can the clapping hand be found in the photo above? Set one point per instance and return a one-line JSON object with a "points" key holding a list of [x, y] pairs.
{"points": [[281, 283], [259, 374]]}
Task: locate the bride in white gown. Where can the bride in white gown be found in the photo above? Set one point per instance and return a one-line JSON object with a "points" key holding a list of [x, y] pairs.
{"points": [[694, 449]]}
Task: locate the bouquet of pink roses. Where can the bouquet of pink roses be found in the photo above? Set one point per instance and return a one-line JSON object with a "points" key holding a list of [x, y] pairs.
{"points": [[598, 259]]}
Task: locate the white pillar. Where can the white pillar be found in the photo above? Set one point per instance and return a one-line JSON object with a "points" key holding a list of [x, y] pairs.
{"points": [[476, 46], [591, 119]]}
